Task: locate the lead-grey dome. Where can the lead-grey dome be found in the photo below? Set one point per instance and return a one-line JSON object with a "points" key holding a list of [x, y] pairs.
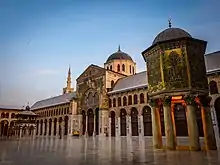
{"points": [[119, 55], [171, 33]]}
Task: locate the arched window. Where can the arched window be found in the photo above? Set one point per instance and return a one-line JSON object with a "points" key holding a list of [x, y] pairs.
{"points": [[213, 88], [124, 101], [129, 100], [112, 84], [107, 68], [130, 68], [3, 115], [118, 68], [90, 98], [119, 101], [7, 115], [110, 103], [123, 67], [114, 102], [141, 98], [12, 115], [135, 99], [111, 67]]}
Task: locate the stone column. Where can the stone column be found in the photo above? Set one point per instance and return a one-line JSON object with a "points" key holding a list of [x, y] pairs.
{"points": [[86, 131], [169, 131], [52, 128], [128, 123], [118, 126], [20, 132], [141, 125], [34, 132], [109, 127], [192, 123], [156, 128], [209, 135]]}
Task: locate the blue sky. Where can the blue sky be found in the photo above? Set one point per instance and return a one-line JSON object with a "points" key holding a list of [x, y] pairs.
{"points": [[39, 39]]}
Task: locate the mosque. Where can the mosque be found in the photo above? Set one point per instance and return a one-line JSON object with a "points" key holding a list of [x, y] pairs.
{"points": [[177, 96]]}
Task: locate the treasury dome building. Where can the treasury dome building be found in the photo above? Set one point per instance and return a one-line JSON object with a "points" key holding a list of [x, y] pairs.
{"points": [[177, 96]]}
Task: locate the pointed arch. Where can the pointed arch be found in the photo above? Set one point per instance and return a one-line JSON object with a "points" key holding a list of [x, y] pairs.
{"points": [[134, 121], [123, 115], [112, 116], [146, 112]]}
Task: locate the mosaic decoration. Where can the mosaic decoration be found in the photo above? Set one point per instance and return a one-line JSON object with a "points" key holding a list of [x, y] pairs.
{"points": [[174, 69]]}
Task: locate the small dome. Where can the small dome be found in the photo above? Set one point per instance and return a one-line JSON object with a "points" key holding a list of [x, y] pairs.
{"points": [[171, 33], [119, 55]]}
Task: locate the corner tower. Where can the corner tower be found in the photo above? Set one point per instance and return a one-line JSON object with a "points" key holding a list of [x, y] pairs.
{"points": [[68, 88], [120, 62]]}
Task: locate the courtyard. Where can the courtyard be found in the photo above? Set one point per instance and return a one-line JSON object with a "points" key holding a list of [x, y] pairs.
{"points": [[96, 151]]}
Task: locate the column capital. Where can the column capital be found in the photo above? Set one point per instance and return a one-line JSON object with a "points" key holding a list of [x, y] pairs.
{"points": [[167, 100], [189, 99], [205, 100]]}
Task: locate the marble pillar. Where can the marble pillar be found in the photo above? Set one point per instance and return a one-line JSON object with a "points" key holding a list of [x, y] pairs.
{"points": [[118, 127], [128, 123], [109, 127], [192, 128], [156, 129], [141, 125], [86, 131], [209, 134], [169, 131], [52, 128]]}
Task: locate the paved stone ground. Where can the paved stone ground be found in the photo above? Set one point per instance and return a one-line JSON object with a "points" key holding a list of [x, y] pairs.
{"points": [[97, 151]]}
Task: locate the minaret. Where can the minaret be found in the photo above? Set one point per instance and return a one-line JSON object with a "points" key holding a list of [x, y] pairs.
{"points": [[68, 88]]}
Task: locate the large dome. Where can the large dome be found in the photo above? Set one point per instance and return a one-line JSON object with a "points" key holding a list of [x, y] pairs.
{"points": [[171, 33], [119, 55]]}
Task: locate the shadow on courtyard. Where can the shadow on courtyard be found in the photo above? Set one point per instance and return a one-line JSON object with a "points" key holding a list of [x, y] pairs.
{"points": [[95, 151]]}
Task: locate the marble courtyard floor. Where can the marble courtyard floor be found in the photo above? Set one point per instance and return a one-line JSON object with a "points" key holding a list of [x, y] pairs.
{"points": [[97, 151]]}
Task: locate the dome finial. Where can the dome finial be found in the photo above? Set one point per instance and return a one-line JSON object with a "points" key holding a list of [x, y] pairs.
{"points": [[119, 48], [169, 21]]}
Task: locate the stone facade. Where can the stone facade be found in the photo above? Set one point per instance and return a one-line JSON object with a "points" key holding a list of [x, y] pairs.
{"points": [[17, 122], [111, 102]]}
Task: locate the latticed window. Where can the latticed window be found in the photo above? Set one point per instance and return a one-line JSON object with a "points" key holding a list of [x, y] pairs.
{"points": [[141, 98], [124, 101], [135, 99], [119, 101], [129, 100], [114, 102]]}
